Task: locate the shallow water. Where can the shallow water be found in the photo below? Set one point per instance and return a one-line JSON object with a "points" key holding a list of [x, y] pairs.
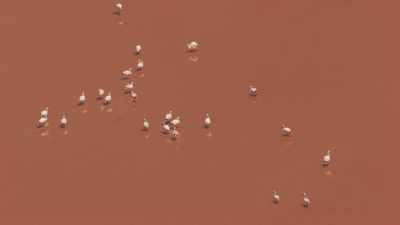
{"points": [[327, 69]]}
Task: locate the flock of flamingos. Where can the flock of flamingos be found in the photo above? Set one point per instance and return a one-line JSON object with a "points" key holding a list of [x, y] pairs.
{"points": [[170, 124]]}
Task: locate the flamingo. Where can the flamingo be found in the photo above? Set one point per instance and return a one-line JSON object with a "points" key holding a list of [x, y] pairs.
{"points": [[138, 49], [252, 91], [140, 65], [42, 122], [275, 197], [306, 200], [166, 128], [45, 112], [129, 87], [119, 8], [126, 73], [327, 158], [192, 46], [146, 124], [168, 116], [100, 93], [175, 122], [207, 121], [286, 131], [63, 121], [134, 96], [82, 98], [107, 99]]}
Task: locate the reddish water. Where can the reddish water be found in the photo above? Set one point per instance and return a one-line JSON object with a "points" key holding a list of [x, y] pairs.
{"points": [[326, 68]]}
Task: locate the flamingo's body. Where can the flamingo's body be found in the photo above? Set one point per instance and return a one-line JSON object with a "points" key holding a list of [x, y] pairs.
{"points": [[44, 112], [126, 73], [306, 200], [146, 124], [107, 99], [129, 87], [207, 121], [252, 91], [326, 159], [286, 131], [275, 197], [192, 46], [42, 122], [63, 121], [175, 122], [140, 65], [168, 116], [100, 93], [82, 98], [166, 128], [133, 96], [119, 8], [138, 49]]}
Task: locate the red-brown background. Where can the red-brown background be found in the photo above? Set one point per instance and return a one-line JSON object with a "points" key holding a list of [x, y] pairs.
{"points": [[326, 68]]}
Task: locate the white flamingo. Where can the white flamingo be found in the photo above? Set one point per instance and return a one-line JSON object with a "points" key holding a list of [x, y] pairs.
{"points": [[286, 131], [138, 49], [82, 98], [100, 93], [44, 112], [207, 121], [306, 200], [63, 121], [140, 65], [129, 87], [42, 122], [252, 91], [175, 122], [119, 7], [146, 124], [327, 158], [166, 128], [133, 96], [107, 99], [275, 197], [192, 46], [168, 116], [126, 73]]}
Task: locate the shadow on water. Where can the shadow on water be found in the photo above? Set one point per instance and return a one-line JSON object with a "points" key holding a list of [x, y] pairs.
{"points": [[105, 108], [193, 58], [328, 173], [208, 134], [287, 144], [44, 133], [84, 111]]}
